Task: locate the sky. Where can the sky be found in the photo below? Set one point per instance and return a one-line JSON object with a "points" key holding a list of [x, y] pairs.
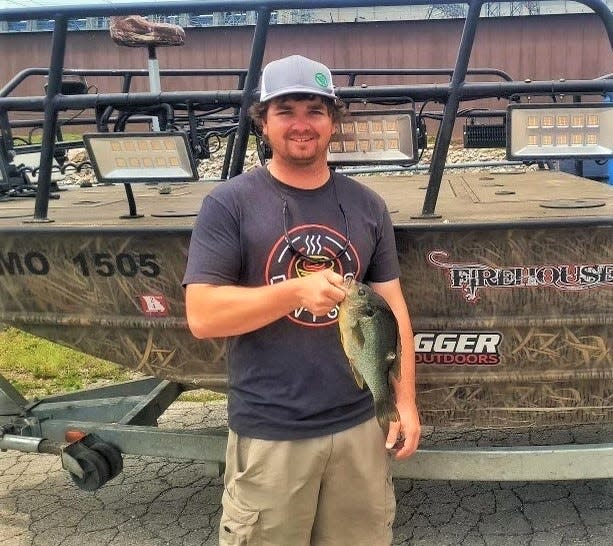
{"points": [[54, 4], [59, 3], [49, 3], [25, 4]]}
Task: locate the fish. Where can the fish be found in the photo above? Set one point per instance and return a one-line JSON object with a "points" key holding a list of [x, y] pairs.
{"points": [[371, 340]]}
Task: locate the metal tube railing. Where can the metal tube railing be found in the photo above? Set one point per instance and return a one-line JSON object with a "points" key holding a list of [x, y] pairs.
{"points": [[58, 48], [439, 92], [443, 138], [251, 82], [163, 7]]}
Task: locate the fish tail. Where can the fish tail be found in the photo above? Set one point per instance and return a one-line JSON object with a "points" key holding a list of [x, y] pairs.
{"points": [[386, 411]]}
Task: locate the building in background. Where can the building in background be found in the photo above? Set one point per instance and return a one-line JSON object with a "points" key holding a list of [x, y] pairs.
{"points": [[330, 15]]}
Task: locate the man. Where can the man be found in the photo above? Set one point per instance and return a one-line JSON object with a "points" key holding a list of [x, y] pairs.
{"points": [[307, 463]]}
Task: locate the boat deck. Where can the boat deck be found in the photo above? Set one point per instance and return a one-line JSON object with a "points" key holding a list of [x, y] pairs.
{"points": [[465, 199]]}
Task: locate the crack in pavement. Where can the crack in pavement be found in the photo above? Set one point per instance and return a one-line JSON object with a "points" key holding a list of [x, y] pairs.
{"points": [[156, 502]]}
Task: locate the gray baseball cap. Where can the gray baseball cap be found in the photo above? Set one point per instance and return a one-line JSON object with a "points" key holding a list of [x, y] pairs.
{"points": [[295, 74]]}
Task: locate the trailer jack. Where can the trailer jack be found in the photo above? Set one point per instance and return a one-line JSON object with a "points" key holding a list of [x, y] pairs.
{"points": [[91, 462]]}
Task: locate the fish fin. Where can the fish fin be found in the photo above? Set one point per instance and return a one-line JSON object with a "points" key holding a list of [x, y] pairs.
{"points": [[358, 335], [342, 338], [395, 367], [390, 356], [386, 411], [356, 338], [355, 335], [357, 376]]}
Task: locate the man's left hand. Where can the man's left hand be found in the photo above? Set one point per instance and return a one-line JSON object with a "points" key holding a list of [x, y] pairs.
{"points": [[403, 435]]}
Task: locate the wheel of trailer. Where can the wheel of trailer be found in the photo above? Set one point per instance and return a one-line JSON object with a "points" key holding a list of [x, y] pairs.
{"points": [[96, 470], [111, 455]]}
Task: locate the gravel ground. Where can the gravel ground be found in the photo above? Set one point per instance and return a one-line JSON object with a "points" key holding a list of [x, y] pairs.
{"points": [[174, 502], [211, 168]]}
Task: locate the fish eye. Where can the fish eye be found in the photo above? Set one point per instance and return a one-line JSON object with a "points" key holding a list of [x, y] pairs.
{"points": [[361, 292], [369, 311]]}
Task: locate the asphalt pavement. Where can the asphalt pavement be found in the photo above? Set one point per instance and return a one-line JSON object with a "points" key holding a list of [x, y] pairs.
{"points": [[173, 502]]}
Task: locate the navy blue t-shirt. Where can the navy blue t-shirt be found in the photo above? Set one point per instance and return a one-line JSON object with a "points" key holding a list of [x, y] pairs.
{"points": [[291, 379]]}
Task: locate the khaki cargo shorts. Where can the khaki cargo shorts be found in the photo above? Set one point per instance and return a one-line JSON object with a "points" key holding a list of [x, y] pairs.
{"points": [[334, 490]]}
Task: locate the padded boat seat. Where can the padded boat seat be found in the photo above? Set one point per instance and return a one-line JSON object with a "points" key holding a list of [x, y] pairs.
{"points": [[137, 31]]}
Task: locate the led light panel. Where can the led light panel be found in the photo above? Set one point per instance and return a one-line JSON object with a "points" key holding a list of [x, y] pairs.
{"points": [[558, 131], [372, 138], [140, 157]]}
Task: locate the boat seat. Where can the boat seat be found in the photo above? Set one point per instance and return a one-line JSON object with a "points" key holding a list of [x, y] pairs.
{"points": [[137, 31]]}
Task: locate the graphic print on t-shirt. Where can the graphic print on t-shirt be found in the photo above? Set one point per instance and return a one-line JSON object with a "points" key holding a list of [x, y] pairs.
{"points": [[319, 244]]}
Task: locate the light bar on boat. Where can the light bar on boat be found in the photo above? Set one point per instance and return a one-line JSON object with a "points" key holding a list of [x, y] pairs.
{"points": [[140, 157], [558, 131], [372, 138]]}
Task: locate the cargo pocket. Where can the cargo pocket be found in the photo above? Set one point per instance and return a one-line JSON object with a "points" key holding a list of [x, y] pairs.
{"points": [[239, 525]]}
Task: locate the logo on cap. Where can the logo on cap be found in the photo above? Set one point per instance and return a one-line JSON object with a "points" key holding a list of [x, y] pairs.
{"points": [[321, 79]]}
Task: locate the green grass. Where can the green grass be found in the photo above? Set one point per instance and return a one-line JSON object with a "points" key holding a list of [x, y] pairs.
{"points": [[202, 395], [37, 137], [39, 368]]}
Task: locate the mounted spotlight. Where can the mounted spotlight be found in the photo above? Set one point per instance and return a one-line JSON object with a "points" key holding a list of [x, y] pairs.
{"points": [[374, 138], [484, 135], [72, 85], [559, 131], [140, 157]]}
